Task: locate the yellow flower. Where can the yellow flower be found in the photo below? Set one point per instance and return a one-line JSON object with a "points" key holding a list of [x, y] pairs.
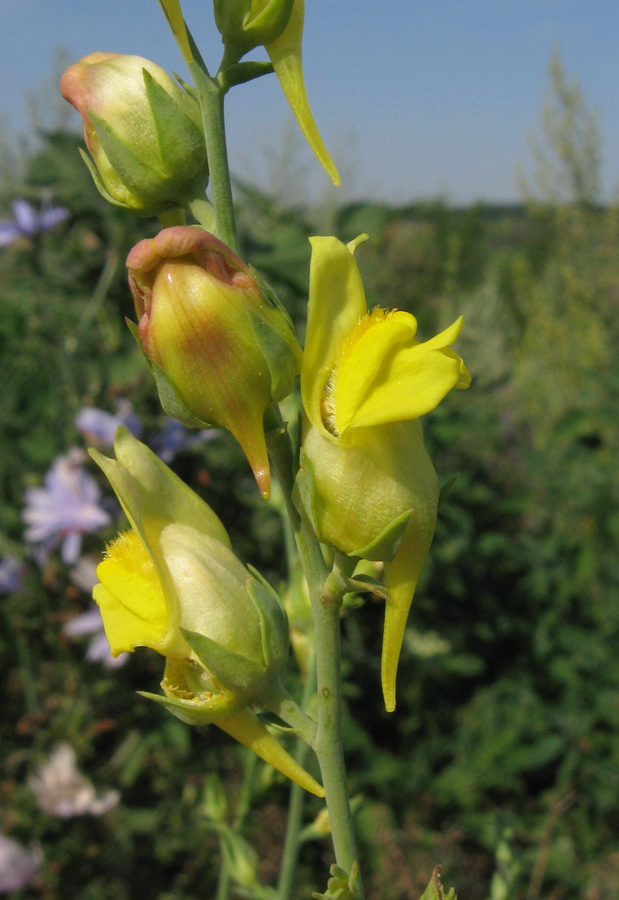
{"points": [[366, 484], [173, 584]]}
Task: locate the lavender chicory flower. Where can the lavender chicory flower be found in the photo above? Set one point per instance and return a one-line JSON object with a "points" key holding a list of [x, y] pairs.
{"points": [[28, 221], [18, 865], [11, 569], [99, 426], [65, 508]]}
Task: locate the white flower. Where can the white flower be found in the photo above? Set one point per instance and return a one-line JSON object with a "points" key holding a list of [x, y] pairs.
{"points": [[18, 865], [62, 791]]}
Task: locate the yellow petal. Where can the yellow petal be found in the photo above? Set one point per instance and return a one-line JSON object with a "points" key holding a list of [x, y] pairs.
{"points": [[132, 602], [246, 728], [412, 379], [362, 362], [286, 58], [336, 304]]}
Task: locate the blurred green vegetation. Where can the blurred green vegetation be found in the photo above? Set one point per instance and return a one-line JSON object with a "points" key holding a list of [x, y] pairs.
{"points": [[501, 761]]}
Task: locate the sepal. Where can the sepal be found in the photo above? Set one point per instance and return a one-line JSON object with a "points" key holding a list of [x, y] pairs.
{"points": [[234, 671]]}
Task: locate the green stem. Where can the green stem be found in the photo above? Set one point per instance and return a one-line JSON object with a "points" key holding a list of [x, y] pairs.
{"points": [[290, 855], [326, 594], [211, 97]]}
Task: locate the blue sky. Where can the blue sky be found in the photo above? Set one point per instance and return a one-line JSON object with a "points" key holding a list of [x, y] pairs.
{"points": [[414, 99]]}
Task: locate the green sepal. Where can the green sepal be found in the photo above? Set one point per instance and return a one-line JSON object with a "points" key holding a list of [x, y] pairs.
{"points": [[97, 180], [387, 543], [278, 354], [270, 296], [270, 23], [273, 622], [197, 711], [242, 72], [435, 890], [131, 170], [176, 132], [170, 401], [445, 488], [133, 328], [233, 671]]}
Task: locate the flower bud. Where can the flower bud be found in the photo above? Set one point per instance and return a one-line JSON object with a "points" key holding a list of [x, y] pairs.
{"points": [[221, 350], [173, 584], [143, 132], [245, 24]]}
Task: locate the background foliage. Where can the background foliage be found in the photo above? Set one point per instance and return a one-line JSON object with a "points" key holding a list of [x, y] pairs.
{"points": [[502, 759]]}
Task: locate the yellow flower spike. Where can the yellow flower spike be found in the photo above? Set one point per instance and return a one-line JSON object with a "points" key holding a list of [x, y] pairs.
{"points": [[248, 730], [286, 57], [365, 484]]}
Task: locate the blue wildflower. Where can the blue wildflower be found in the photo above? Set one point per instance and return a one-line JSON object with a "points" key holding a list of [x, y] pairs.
{"points": [[175, 438], [65, 508], [28, 221], [99, 426], [11, 569]]}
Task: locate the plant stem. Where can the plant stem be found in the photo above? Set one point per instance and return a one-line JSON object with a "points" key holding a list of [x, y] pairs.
{"points": [[326, 592], [290, 855], [211, 97]]}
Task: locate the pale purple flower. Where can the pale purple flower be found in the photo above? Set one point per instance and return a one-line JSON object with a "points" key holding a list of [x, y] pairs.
{"points": [[65, 508], [28, 221], [18, 865], [99, 426], [11, 569], [61, 790], [175, 438]]}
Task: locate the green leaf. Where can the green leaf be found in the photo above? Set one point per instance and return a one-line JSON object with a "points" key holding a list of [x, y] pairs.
{"points": [[240, 73]]}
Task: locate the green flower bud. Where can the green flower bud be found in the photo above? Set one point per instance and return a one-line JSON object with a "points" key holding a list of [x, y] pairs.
{"points": [[245, 24], [143, 132], [358, 496], [374, 495], [221, 350]]}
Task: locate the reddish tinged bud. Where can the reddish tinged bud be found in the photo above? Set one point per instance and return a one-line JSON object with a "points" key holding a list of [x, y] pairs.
{"points": [[221, 351]]}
